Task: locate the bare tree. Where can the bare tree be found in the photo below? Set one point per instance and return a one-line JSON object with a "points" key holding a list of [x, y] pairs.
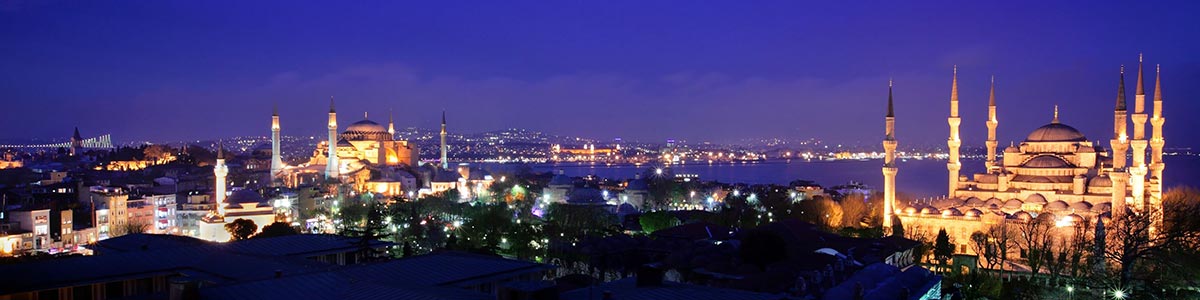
{"points": [[1002, 238], [1142, 247], [1034, 239]]}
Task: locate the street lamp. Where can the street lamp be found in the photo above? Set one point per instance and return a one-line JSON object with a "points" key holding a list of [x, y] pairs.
{"points": [[1119, 294]]}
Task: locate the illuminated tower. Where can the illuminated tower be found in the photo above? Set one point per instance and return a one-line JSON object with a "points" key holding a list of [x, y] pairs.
{"points": [[331, 165], [953, 165], [1120, 146], [391, 125], [1137, 171], [1156, 137], [889, 164], [445, 163], [276, 159], [992, 122], [1156, 152], [220, 171], [76, 142]]}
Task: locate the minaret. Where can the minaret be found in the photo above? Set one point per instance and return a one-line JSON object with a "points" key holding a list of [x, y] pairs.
{"points": [[391, 125], [220, 171], [1120, 146], [445, 148], [889, 164], [276, 157], [331, 164], [992, 122], [1156, 153], [1138, 170], [1156, 137], [953, 165]]}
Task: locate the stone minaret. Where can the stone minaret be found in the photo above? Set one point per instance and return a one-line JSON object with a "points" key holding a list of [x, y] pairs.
{"points": [[331, 164], [391, 125], [889, 164], [953, 165], [219, 172], [1120, 146], [992, 122], [1156, 137], [276, 156], [1156, 153], [445, 148], [1137, 171]]}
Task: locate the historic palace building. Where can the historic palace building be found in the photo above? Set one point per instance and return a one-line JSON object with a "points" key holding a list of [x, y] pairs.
{"points": [[1055, 171]]}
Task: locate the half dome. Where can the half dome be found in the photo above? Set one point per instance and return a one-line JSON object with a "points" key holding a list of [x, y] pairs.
{"points": [[1046, 161]]}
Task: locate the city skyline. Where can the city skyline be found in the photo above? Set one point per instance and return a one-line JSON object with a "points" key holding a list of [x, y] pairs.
{"points": [[174, 71]]}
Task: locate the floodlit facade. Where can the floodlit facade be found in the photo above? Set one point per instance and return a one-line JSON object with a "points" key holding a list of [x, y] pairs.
{"points": [[1054, 171]]}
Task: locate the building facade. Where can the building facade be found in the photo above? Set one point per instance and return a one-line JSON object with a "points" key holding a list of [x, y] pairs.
{"points": [[1054, 171]]}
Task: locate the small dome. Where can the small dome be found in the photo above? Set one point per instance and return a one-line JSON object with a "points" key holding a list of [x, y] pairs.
{"points": [[951, 212], [561, 179], [1035, 199], [1101, 181], [1055, 132], [637, 185], [974, 202], [1023, 216], [1057, 206], [586, 196], [245, 196], [929, 211], [994, 201], [1102, 207], [972, 213], [1046, 161], [1013, 203], [1081, 206], [910, 210]]}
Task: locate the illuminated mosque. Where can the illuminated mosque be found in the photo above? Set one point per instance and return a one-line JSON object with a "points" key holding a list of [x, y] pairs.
{"points": [[1054, 171]]}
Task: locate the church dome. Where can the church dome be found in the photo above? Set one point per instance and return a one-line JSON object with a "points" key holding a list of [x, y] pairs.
{"points": [[1046, 161], [1055, 132], [365, 130]]}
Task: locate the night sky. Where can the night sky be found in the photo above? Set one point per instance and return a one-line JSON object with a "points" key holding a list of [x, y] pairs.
{"points": [[645, 70]]}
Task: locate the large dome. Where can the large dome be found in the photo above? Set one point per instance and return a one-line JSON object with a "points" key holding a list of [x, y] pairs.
{"points": [[1055, 132], [366, 126], [365, 130]]}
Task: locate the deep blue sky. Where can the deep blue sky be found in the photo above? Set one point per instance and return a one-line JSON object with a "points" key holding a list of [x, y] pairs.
{"points": [[636, 69]]}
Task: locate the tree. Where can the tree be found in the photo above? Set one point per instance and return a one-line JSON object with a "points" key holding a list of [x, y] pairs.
{"points": [[761, 247], [1035, 240], [132, 227], [984, 248], [942, 249], [654, 221], [1147, 251], [240, 229], [855, 212], [1002, 239], [276, 229]]}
